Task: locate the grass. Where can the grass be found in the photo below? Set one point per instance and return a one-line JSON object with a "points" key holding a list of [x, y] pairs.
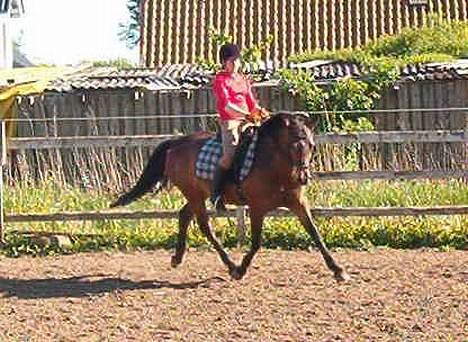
{"points": [[285, 233]]}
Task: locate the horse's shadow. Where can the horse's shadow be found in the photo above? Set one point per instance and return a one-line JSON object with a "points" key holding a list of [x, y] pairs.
{"points": [[85, 286]]}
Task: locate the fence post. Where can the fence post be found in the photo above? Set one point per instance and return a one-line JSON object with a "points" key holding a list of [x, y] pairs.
{"points": [[3, 162], [465, 162], [240, 215]]}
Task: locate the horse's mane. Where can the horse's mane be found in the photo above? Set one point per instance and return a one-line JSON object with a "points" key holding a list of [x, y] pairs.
{"points": [[274, 125]]}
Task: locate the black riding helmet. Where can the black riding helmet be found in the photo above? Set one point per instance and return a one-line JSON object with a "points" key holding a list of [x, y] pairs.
{"points": [[229, 52]]}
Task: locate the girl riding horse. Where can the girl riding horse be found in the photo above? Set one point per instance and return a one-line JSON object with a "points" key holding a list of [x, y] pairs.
{"points": [[235, 104]]}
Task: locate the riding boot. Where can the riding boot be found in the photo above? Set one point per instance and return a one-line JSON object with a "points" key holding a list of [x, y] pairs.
{"points": [[218, 184]]}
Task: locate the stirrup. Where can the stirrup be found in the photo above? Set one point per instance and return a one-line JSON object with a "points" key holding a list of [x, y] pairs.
{"points": [[219, 206]]}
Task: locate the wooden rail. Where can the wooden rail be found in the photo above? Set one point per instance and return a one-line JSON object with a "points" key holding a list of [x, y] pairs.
{"points": [[393, 137], [390, 175], [170, 214], [152, 140], [329, 138], [85, 142]]}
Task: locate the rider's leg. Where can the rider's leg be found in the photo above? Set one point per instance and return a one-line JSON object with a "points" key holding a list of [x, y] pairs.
{"points": [[218, 184], [230, 139]]}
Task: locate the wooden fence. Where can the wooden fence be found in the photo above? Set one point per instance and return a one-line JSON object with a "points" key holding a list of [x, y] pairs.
{"points": [[86, 113], [331, 138], [168, 112]]}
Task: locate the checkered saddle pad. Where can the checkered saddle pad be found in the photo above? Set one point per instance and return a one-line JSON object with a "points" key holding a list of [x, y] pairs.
{"points": [[210, 154]]}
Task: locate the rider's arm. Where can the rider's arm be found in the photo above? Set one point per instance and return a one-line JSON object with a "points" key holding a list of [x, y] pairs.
{"points": [[220, 92], [234, 109], [251, 101]]}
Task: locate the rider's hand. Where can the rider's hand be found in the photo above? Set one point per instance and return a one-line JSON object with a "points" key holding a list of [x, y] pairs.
{"points": [[264, 113], [258, 115]]}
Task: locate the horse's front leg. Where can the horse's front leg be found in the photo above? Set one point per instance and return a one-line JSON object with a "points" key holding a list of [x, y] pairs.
{"points": [[256, 219], [300, 207]]}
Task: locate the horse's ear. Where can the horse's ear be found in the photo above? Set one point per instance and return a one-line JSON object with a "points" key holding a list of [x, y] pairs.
{"points": [[311, 120]]}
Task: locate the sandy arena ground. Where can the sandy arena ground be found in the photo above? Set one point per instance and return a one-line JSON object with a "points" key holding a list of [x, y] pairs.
{"points": [[417, 295]]}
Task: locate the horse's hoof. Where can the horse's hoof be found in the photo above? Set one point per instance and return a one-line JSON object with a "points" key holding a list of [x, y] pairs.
{"points": [[236, 274], [342, 276], [175, 261]]}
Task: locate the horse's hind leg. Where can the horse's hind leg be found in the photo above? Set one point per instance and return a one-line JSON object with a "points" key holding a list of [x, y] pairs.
{"points": [[185, 217], [203, 221], [256, 220], [301, 209]]}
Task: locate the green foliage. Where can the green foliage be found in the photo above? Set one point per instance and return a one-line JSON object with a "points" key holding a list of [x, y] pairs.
{"points": [[382, 59], [439, 40], [285, 233], [130, 30], [219, 38], [302, 83], [346, 94], [119, 63], [449, 38], [350, 94], [359, 125], [250, 56]]}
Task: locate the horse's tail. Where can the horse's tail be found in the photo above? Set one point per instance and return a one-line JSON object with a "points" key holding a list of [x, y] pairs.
{"points": [[152, 176]]}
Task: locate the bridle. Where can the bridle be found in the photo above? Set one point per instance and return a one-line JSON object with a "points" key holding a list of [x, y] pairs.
{"points": [[301, 145]]}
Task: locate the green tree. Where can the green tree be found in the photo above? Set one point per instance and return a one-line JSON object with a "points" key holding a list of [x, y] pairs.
{"points": [[130, 30], [251, 56]]}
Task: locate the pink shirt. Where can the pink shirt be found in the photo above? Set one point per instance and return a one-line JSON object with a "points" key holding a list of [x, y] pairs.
{"points": [[235, 89]]}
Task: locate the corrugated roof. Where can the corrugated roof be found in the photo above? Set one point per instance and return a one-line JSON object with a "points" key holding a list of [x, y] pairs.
{"points": [[330, 70], [177, 76], [112, 79], [324, 71], [177, 71]]}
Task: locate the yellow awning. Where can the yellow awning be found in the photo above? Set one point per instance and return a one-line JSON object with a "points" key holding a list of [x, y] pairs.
{"points": [[25, 81]]}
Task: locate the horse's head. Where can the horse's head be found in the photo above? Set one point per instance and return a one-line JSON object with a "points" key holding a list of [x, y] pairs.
{"points": [[294, 136]]}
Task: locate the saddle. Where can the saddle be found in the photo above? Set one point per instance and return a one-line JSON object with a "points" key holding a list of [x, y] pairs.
{"points": [[246, 138], [211, 152]]}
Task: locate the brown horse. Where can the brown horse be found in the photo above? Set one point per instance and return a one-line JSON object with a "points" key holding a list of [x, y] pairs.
{"points": [[279, 172]]}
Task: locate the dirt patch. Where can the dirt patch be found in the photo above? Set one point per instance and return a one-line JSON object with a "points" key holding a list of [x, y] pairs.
{"points": [[286, 296]]}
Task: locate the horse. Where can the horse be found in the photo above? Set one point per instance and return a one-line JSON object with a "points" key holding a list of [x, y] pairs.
{"points": [[284, 150]]}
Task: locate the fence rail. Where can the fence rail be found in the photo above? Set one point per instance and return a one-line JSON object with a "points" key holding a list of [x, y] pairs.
{"points": [[459, 136], [148, 116], [151, 140], [170, 214], [391, 175]]}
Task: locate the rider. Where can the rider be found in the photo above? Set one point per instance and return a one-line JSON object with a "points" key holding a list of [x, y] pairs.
{"points": [[235, 105]]}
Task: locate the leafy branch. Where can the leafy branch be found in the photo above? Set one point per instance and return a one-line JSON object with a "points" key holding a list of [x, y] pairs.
{"points": [[250, 56], [129, 32]]}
